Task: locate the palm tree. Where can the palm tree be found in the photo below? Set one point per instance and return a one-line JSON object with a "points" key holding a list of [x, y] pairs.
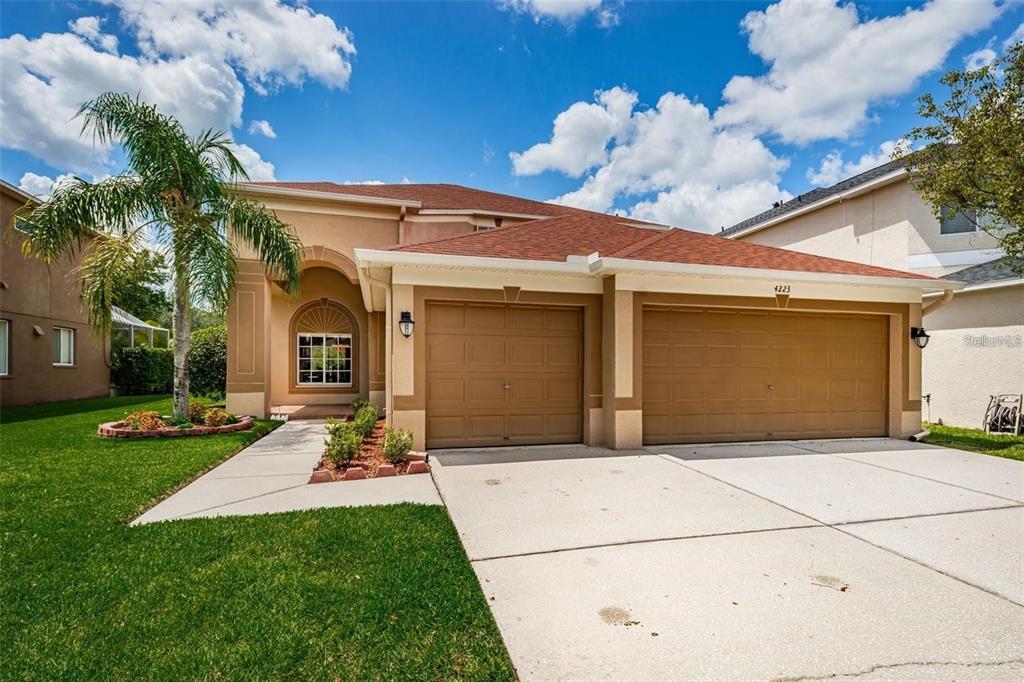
{"points": [[176, 186]]}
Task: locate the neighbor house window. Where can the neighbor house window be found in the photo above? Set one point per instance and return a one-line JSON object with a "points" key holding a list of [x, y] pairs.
{"points": [[325, 359], [63, 346], [953, 222], [5, 348]]}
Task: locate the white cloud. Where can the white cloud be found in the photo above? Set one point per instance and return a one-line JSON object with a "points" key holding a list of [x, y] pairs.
{"points": [[1016, 37], [980, 58], [702, 177], [367, 182], [189, 56], [261, 127], [259, 169], [580, 137], [827, 66], [41, 186], [566, 11], [833, 169], [89, 28]]}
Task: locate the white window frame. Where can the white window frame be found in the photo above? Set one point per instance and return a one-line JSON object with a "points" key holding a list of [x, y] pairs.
{"points": [[315, 384], [65, 333], [976, 230], [5, 358]]}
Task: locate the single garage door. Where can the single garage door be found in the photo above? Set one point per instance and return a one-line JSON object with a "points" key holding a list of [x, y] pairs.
{"points": [[731, 375], [501, 374]]}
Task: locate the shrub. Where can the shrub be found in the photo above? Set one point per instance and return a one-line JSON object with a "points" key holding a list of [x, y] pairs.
{"points": [[396, 444], [196, 412], [343, 442], [366, 419], [145, 421], [358, 404], [208, 362], [143, 370], [215, 417]]}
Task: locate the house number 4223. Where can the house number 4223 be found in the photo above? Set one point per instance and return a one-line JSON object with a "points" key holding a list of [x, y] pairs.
{"points": [[782, 288]]}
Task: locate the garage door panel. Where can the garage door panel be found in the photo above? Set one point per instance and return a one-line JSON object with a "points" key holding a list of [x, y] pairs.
{"points": [[481, 319], [502, 374], [763, 375], [446, 349]]}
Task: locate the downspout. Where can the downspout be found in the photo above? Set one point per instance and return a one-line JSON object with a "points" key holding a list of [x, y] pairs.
{"points": [[932, 306]]}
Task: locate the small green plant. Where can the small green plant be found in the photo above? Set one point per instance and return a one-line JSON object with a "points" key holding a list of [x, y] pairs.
{"points": [[366, 419], [359, 403], [215, 417], [343, 443], [145, 421], [396, 444], [183, 423], [196, 412]]}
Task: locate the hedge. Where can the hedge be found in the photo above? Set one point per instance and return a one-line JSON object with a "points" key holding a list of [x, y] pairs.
{"points": [[208, 362], [143, 370]]}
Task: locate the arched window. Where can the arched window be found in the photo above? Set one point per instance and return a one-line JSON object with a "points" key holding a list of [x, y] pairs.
{"points": [[324, 333]]}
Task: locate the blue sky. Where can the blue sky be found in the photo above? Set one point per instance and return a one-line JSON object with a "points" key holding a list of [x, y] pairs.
{"points": [[757, 95]]}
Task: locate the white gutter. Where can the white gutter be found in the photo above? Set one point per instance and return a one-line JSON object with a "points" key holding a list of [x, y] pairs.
{"points": [[595, 265], [932, 306], [289, 192], [842, 196], [983, 287]]}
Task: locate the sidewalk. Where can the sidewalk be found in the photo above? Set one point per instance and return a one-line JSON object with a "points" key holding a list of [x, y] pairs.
{"points": [[272, 475]]}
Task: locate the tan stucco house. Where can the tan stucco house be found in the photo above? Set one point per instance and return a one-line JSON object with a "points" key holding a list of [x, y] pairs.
{"points": [[47, 350], [482, 319], [878, 218]]}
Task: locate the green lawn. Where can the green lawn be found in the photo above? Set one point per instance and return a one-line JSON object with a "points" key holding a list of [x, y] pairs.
{"points": [[372, 593], [975, 440]]}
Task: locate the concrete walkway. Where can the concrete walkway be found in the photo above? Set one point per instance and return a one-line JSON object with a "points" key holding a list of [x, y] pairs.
{"points": [[870, 559], [272, 475]]}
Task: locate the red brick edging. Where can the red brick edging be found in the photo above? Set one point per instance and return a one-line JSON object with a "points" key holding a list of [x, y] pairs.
{"points": [[118, 429], [357, 473]]}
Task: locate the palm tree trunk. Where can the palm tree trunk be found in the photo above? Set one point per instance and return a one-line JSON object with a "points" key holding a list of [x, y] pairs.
{"points": [[182, 338]]}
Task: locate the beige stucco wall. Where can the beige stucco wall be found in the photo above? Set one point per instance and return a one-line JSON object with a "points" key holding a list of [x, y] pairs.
{"points": [[870, 228], [976, 350], [881, 227]]}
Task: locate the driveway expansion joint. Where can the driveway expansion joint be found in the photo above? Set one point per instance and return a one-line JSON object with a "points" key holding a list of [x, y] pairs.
{"points": [[891, 666]]}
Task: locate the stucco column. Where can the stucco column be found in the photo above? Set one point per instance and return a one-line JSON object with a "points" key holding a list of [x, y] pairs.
{"points": [[911, 415], [407, 409], [623, 416], [248, 379]]}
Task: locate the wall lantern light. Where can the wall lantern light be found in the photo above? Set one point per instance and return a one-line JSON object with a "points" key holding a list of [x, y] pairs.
{"points": [[920, 336], [405, 324]]}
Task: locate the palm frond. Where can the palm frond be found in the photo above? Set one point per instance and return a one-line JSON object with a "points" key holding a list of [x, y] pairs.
{"points": [[216, 148], [78, 209], [108, 261], [275, 242]]}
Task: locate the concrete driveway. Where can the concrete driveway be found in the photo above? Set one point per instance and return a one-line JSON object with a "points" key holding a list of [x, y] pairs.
{"points": [[874, 559]]}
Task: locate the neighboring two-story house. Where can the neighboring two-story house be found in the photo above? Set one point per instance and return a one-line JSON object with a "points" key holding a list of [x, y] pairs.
{"points": [[481, 319], [977, 337], [47, 349]]}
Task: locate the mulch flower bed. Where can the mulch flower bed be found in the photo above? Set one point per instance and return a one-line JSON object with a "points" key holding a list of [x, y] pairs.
{"points": [[120, 429], [370, 463]]}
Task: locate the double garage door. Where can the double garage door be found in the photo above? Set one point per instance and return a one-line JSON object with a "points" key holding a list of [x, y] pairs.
{"points": [[502, 374], [731, 375]]}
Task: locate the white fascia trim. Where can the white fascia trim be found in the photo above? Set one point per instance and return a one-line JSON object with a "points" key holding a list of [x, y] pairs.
{"points": [[984, 287], [262, 190], [613, 265], [365, 257], [597, 266], [945, 259], [842, 196]]}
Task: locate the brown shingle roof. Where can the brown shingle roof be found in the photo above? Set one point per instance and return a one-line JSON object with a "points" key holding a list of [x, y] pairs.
{"points": [[553, 239]]}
